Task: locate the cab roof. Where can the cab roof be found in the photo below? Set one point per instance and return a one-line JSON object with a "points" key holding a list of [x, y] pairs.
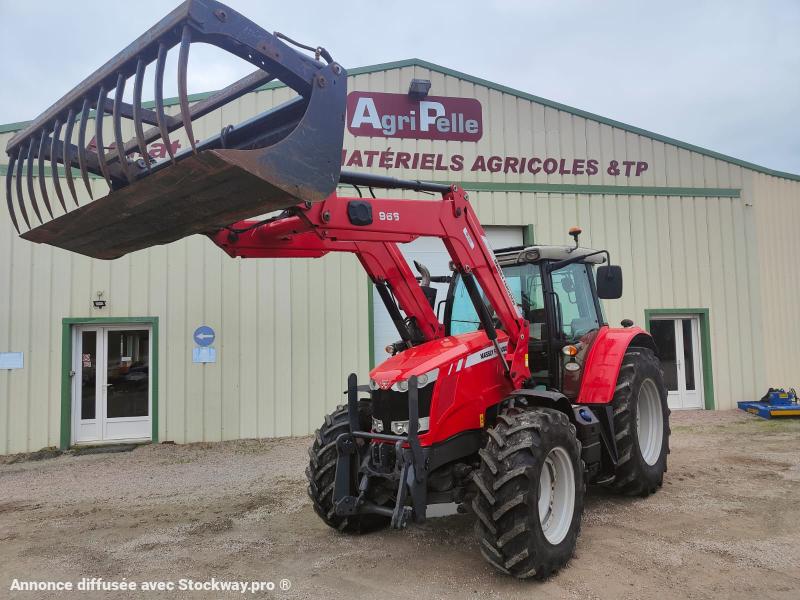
{"points": [[524, 254]]}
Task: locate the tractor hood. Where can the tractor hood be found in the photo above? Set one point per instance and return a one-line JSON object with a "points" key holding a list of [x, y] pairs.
{"points": [[435, 354]]}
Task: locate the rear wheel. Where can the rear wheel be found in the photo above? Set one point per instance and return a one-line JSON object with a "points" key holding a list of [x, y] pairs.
{"points": [[641, 424], [530, 493], [321, 471]]}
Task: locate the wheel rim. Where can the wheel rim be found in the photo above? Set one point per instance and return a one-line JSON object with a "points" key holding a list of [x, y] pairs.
{"points": [[649, 422], [556, 495]]}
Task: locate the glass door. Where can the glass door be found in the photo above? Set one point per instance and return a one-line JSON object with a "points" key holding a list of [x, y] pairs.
{"points": [[678, 341], [126, 385], [87, 427], [112, 387]]}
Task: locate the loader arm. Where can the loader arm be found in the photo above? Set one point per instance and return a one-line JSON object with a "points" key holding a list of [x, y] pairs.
{"points": [[383, 262], [371, 228]]}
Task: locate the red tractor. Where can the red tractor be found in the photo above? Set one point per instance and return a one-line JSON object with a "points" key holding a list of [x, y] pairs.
{"points": [[521, 397]]}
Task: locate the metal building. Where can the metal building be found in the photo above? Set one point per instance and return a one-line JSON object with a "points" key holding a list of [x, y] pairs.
{"points": [[708, 245]]}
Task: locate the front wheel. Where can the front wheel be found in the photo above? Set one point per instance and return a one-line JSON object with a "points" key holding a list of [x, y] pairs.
{"points": [[530, 493], [641, 424]]}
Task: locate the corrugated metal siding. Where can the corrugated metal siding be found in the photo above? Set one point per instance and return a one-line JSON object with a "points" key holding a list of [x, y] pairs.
{"points": [[290, 331], [676, 252], [288, 334], [777, 208]]}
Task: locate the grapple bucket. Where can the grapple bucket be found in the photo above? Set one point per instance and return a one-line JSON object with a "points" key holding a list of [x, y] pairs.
{"points": [[289, 154]]}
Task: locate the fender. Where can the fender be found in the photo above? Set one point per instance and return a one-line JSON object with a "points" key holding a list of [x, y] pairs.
{"points": [[545, 398], [602, 364]]}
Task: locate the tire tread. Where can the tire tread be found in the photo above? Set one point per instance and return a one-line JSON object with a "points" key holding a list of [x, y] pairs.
{"points": [[507, 524], [631, 478]]}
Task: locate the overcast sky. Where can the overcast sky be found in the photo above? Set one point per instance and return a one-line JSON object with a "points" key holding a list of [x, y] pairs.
{"points": [[723, 75]]}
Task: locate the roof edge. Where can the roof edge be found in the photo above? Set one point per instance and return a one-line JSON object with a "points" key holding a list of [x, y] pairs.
{"points": [[417, 62], [605, 120]]}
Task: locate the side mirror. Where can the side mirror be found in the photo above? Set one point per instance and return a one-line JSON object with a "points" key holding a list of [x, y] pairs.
{"points": [[609, 282]]}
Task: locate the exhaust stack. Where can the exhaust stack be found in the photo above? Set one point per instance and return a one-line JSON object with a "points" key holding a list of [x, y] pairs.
{"points": [[286, 155]]}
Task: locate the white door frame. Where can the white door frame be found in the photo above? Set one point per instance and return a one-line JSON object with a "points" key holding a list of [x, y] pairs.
{"points": [[683, 399], [84, 430], [103, 429]]}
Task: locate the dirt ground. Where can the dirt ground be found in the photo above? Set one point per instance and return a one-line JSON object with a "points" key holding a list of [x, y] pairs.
{"points": [[725, 525]]}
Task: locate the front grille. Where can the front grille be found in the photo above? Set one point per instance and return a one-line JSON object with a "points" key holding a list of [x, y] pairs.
{"points": [[388, 405]]}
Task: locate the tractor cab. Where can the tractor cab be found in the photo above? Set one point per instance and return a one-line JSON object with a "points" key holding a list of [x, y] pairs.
{"points": [[558, 291]]}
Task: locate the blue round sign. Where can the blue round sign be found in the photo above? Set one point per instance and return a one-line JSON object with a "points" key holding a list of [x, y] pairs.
{"points": [[204, 336]]}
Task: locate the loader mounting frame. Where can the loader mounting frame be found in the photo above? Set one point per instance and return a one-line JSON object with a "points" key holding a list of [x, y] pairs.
{"points": [[411, 466], [413, 463]]}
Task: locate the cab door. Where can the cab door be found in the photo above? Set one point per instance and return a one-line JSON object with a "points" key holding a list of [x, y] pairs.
{"points": [[575, 317]]}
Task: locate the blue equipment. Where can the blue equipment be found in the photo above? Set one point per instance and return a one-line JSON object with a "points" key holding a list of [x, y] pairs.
{"points": [[775, 403]]}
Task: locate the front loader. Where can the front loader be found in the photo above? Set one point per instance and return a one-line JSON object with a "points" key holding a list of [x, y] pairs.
{"points": [[509, 407]]}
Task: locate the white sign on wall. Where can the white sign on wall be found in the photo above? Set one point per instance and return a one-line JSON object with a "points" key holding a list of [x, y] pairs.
{"points": [[204, 354], [11, 360]]}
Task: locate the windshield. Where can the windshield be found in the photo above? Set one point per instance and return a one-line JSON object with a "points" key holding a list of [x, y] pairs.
{"points": [[525, 282]]}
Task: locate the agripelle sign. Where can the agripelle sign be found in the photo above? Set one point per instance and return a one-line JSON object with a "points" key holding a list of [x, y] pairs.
{"points": [[374, 114]]}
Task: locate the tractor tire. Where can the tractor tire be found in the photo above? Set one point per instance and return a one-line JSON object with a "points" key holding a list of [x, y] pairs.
{"points": [[530, 489], [321, 471], [641, 425]]}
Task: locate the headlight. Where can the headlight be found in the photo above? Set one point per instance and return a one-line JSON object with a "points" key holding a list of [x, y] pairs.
{"points": [[428, 377], [401, 427], [377, 425], [422, 381], [373, 385]]}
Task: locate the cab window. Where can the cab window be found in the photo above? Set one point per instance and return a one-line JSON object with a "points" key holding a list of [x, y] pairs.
{"points": [[575, 301], [525, 282]]}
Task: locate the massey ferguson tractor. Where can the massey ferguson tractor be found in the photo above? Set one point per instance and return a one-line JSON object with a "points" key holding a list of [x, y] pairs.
{"points": [[509, 408]]}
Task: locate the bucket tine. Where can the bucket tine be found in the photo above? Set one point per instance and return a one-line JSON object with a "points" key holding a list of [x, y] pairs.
{"points": [[68, 154], [137, 112], [160, 116], [98, 134], [42, 176], [82, 145], [9, 196], [20, 197], [54, 164], [29, 178], [183, 60], [117, 116]]}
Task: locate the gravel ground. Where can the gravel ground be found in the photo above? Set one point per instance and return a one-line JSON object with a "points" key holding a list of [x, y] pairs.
{"points": [[724, 526]]}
